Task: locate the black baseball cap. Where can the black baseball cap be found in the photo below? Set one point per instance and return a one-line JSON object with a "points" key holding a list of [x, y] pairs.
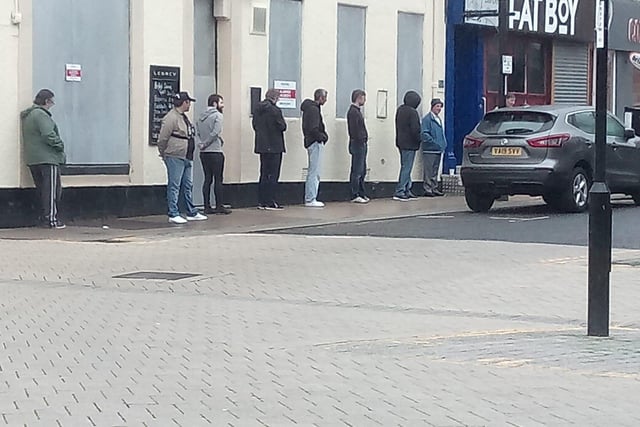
{"points": [[183, 96]]}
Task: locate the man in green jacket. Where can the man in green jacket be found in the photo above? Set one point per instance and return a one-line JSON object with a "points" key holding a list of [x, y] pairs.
{"points": [[44, 153]]}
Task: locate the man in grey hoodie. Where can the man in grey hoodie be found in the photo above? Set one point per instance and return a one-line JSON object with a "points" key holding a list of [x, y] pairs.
{"points": [[208, 132]]}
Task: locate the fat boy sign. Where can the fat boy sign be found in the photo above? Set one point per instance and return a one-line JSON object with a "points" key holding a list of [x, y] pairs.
{"points": [[564, 18]]}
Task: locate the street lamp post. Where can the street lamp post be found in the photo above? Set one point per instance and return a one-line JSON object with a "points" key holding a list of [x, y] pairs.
{"points": [[599, 196], [503, 29]]}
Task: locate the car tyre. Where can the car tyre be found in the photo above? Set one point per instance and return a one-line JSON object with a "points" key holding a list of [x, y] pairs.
{"points": [[479, 201], [576, 194]]}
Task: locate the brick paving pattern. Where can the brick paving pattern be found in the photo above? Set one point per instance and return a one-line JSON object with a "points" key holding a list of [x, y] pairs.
{"points": [[311, 331]]}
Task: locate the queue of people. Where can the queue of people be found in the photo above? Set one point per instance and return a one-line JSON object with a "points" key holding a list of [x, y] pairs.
{"points": [[179, 139]]}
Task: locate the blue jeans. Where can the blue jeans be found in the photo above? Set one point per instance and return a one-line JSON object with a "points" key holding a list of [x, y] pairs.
{"points": [[313, 174], [407, 158], [358, 153], [179, 186]]}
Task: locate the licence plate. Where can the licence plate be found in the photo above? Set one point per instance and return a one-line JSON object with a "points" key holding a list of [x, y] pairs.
{"points": [[506, 151]]}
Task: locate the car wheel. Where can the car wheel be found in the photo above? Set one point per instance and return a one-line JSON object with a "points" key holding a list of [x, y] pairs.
{"points": [[479, 201], [576, 196]]}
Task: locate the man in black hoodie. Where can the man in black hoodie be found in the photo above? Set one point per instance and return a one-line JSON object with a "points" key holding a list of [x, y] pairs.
{"points": [[269, 126], [358, 137], [408, 139], [315, 137]]}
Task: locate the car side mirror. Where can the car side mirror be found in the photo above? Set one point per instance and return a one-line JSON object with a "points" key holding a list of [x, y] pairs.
{"points": [[629, 134]]}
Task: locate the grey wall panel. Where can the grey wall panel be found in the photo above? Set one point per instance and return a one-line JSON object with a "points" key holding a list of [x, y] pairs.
{"points": [[204, 67], [285, 46], [410, 54], [93, 115], [570, 73], [204, 55], [350, 72]]}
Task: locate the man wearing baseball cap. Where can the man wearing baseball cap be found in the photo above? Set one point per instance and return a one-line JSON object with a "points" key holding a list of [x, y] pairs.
{"points": [[433, 144], [176, 144]]}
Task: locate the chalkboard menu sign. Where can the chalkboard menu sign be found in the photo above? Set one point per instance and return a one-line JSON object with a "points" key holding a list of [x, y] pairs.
{"points": [[165, 82]]}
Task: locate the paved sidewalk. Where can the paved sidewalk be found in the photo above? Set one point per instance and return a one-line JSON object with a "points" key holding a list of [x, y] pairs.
{"points": [[282, 330], [249, 220]]}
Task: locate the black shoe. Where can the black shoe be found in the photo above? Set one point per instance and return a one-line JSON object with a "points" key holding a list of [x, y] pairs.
{"points": [[412, 196], [58, 225], [429, 194], [274, 207], [221, 211], [438, 193], [209, 210]]}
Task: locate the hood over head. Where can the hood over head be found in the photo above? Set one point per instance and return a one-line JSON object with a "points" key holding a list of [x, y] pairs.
{"points": [[308, 103], [412, 99], [263, 105], [26, 112]]}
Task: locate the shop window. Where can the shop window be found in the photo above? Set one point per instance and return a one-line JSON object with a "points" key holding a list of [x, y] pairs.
{"points": [[517, 80], [530, 65], [536, 71]]}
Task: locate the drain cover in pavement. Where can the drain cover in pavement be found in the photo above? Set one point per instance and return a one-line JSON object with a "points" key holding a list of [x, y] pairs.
{"points": [[155, 275]]}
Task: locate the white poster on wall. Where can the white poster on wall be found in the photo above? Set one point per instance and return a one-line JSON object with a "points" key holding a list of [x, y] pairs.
{"points": [[73, 72], [288, 91]]}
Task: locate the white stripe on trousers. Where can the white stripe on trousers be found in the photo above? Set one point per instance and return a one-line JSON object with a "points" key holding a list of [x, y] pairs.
{"points": [[53, 174]]}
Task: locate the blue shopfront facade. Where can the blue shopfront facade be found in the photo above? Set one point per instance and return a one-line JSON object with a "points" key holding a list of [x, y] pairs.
{"points": [[551, 44]]}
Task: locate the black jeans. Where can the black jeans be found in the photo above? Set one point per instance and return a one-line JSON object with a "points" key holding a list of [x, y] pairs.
{"points": [[213, 168], [358, 169], [270, 164], [47, 180]]}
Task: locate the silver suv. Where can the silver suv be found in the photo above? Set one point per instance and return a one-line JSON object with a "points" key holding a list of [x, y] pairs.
{"points": [[546, 151]]}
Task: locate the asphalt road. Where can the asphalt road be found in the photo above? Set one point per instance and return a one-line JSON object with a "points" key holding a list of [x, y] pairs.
{"points": [[533, 224]]}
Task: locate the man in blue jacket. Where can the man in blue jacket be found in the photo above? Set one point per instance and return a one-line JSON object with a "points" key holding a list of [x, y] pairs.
{"points": [[433, 144]]}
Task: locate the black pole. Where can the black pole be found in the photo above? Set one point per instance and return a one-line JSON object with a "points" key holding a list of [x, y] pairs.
{"points": [[503, 31], [599, 196]]}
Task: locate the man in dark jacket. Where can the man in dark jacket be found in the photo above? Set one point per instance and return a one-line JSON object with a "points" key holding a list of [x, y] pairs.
{"points": [[44, 153], [358, 137], [315, 137], [269, 126], [408, 139]]}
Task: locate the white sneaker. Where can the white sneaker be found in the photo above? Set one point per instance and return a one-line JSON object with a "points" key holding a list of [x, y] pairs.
{"points": [[177, 220], [197, 217], [314, 204], [360, 200]]}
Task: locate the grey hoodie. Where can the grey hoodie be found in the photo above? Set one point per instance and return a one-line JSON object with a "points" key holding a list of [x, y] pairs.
{"points": [[209, 131]]}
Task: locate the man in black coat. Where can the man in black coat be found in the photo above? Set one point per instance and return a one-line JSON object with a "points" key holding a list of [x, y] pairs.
{"points": [[358, 137], [408, 139], [269, 126]]}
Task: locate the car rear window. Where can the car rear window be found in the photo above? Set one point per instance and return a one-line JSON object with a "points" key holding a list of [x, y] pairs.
{"points": [[515, 123]]}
